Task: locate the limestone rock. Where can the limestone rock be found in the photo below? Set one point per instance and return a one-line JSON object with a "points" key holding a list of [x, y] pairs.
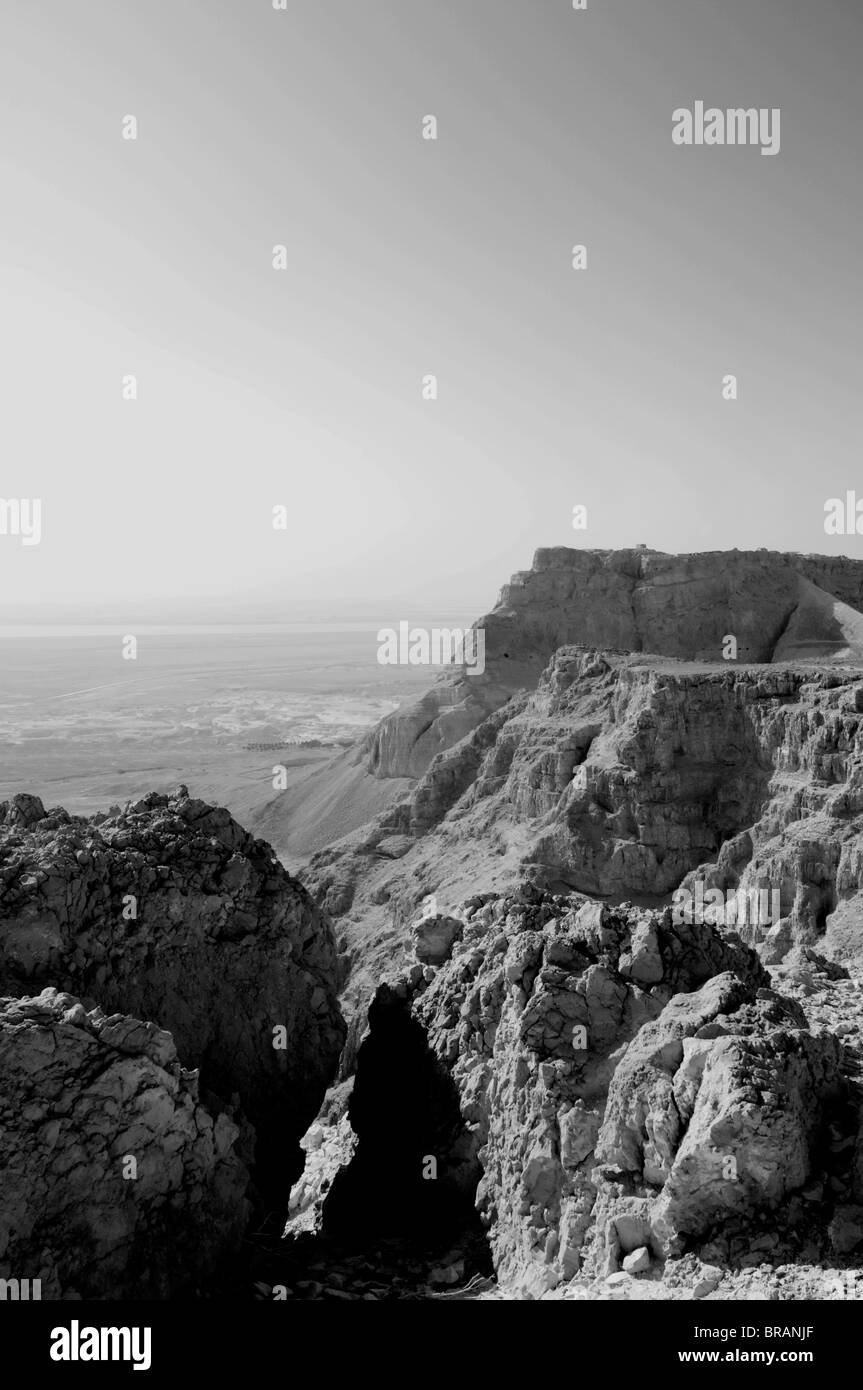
{"points": [[628, 1081], [525, 1025], [638, 1262], [737, 1134], [779, 606], [750, 1141], [434, 938], [710, 1278], [117, 1182], [170, 911], [623, 775], [329, 1148]]}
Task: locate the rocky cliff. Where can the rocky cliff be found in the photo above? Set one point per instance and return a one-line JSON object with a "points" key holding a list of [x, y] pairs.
{"points": [[170, 913], [551, 1066], [776, 605], [626, 777], [626, 1093]]}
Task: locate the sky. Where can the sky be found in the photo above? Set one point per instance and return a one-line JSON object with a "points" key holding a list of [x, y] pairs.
{"points": [[302, 387]]}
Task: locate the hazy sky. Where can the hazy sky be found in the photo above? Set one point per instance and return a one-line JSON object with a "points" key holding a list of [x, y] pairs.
{"points": [[302, 387]]}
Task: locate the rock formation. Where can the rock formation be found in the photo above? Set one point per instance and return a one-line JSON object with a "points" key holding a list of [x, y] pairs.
{"points": [[117, 1181], [625, 777], [169, 913], [778, 606], [548, 1065], [628, 1091], [640, 1096]]}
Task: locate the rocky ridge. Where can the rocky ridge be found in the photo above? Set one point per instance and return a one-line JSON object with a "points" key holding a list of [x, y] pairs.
{"points": [[179, 943], [626, 777], [777, 605]]}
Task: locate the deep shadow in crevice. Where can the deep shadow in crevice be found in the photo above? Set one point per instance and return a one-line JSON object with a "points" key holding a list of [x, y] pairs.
{"points": [[826, 907], [405, 1112]]}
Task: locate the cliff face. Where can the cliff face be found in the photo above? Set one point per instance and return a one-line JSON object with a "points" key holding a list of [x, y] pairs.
{"points": [[628, 778], [777, 606], [636, 1089], [641, 1096], [167, 912]]}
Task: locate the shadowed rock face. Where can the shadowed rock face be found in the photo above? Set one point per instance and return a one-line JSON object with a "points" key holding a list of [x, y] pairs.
{"points": [[170, 911], [778, 606], [116, 1181]]}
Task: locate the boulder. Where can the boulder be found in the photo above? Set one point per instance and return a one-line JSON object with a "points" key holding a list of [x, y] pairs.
{"points": [[117, 1182], [434, 938]]}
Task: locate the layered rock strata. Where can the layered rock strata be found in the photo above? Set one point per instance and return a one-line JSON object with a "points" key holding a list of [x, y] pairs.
{"points": [[778, 606], [625, 777]]}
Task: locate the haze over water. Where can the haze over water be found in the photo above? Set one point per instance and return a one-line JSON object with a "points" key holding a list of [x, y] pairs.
{"points": [[84, 728]]}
